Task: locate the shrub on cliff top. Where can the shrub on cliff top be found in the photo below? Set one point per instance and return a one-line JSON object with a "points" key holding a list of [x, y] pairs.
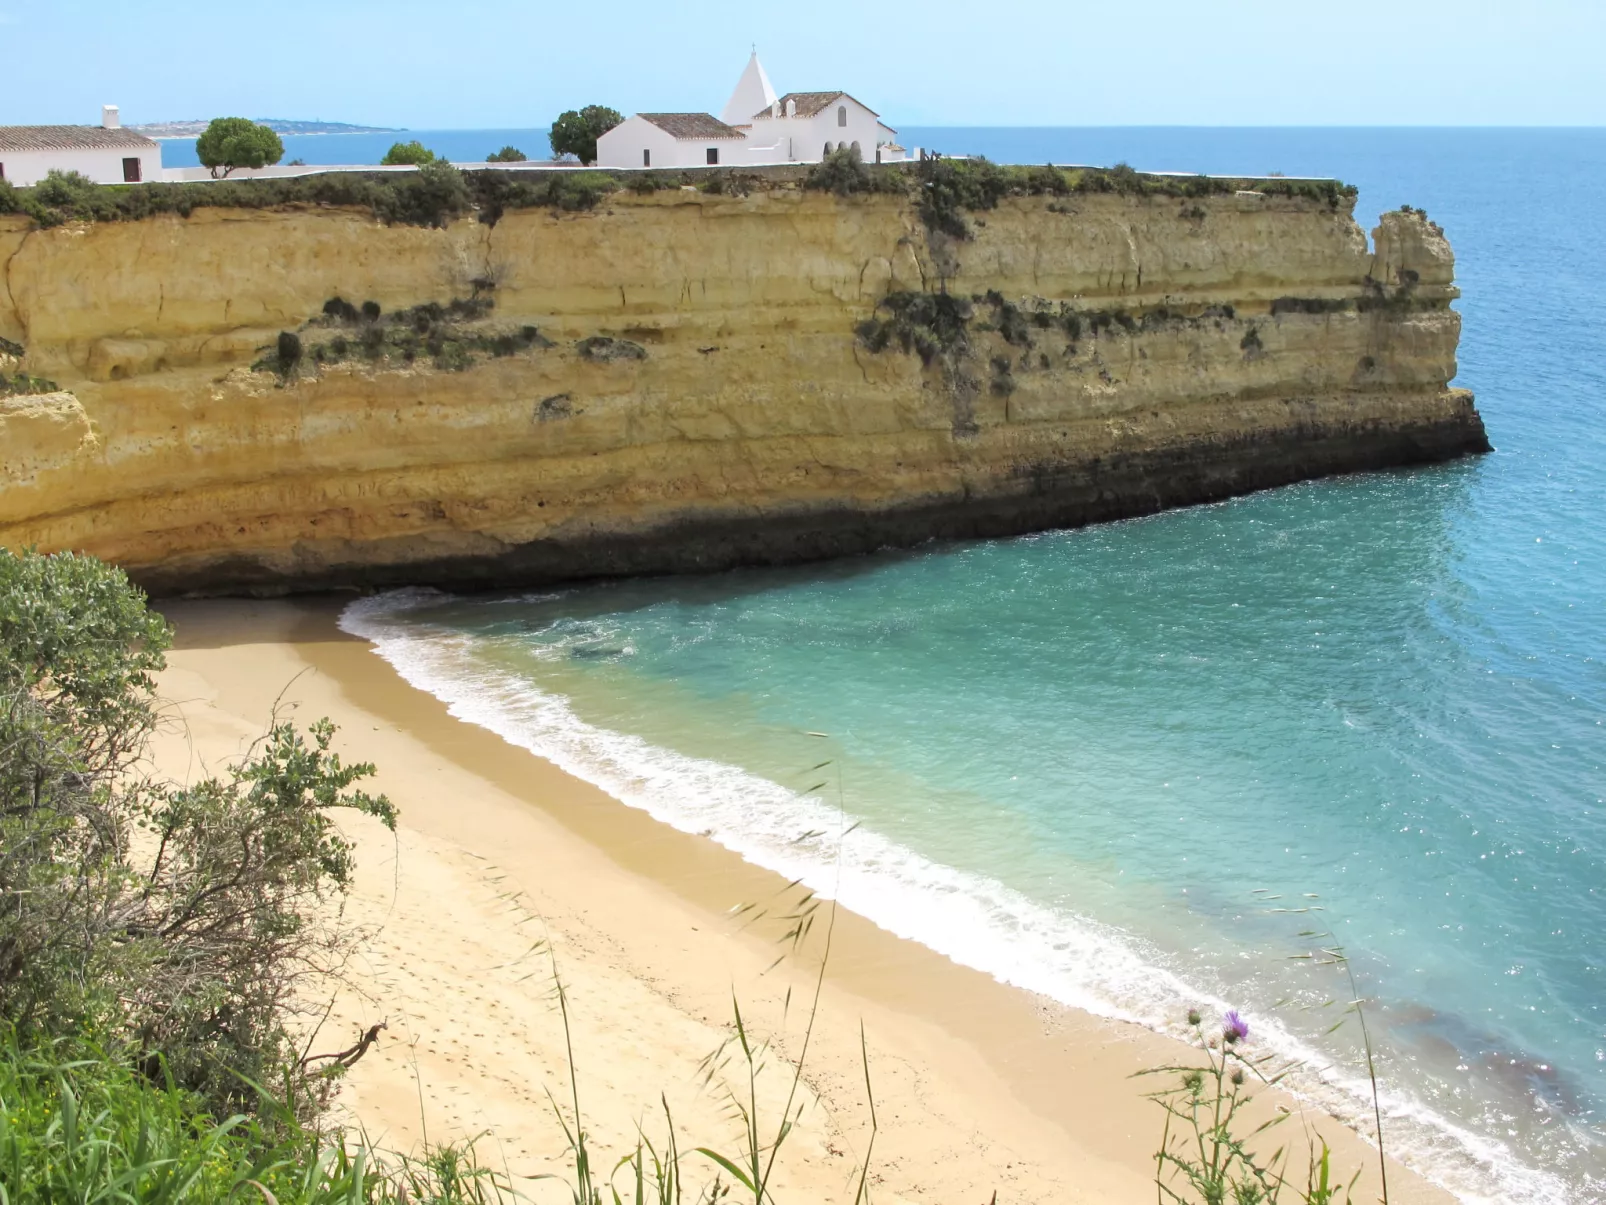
{"points": [[508, 154], [497, 192], [950, 187], [432, 196], [437, 196], [843, 172]]}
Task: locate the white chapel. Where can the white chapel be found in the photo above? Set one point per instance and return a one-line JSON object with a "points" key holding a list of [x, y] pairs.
{"points": [[755, 128]]}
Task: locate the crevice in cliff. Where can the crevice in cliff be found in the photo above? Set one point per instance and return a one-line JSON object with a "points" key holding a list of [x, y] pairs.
{"points": [[5, 282]]}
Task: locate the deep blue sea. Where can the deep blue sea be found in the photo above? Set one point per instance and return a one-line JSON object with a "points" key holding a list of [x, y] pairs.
{"points": [[1128, 766]]}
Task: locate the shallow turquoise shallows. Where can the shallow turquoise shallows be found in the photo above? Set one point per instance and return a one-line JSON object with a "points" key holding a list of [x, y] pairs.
{"points": [[1142, 766]]}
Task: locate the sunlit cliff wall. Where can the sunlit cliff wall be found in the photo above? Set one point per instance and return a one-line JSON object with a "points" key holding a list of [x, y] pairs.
{"points": [[1105, 356]]}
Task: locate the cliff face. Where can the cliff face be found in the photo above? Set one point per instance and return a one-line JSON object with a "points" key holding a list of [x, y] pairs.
{"points": [[681, 380]]}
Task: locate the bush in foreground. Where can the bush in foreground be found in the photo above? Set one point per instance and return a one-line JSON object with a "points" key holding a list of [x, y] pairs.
{"points": [[76, 1124], [176, 922]]}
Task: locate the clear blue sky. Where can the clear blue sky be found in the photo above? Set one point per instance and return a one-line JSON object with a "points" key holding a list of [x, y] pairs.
{"points": [[516, 63]]}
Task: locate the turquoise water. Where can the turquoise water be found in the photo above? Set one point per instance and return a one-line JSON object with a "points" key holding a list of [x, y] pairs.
{"points": [[1117, 765]]}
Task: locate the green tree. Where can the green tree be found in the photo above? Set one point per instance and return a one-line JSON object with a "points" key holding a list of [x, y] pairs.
{"points": [[178, 922], [576, 133], [508, 154], [231, 142], [414, 152]]}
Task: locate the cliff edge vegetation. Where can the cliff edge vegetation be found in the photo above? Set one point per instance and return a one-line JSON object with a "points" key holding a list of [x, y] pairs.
{"points": [[489, 378]]}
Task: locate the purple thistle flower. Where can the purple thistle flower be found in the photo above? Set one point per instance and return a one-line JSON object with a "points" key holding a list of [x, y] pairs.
{"points": [[1234, 1028]]}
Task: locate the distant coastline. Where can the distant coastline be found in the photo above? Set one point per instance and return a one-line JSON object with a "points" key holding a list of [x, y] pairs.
{"points": [[194, 129]]}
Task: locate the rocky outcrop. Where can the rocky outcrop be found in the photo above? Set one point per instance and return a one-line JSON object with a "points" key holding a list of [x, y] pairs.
{"points": [[680, 380]]}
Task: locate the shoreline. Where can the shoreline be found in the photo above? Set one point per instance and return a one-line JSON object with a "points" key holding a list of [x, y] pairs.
{"points": [[979, 1086]]}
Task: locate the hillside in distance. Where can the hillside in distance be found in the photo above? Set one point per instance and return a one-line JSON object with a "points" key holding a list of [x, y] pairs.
{"points": [[279, 125]]}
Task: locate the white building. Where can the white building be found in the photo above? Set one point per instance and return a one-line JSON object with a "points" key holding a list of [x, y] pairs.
{"points": [[107, 153], [671, 140], [805, 127], [756, 127]]}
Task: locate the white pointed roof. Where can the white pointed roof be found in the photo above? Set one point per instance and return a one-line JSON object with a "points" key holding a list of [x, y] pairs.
{"points": [[753, 93]]}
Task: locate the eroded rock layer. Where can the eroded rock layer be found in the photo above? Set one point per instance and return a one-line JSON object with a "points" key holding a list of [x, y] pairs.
{"points": [[688, 381]]}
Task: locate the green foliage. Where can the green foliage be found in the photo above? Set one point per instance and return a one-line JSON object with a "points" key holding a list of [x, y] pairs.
{"points": [[844, 172], [440, 196], [951, 188], [508, 154], [185, 949], [441, 333], [1208, 1155], [10, 201], [22, 385], [233, 142], [79, 1125], [64, 197], [497, 192], [931, 325], [402, 153], [576, 131]]}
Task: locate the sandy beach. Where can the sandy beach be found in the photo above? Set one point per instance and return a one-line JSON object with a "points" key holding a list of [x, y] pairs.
{"points": [[503, 868]]}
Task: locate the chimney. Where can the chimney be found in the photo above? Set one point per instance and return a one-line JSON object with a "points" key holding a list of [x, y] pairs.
{"points": [[110, 119]]}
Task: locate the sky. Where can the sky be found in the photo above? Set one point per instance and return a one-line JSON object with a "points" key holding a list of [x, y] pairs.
{"points": [[515, 64]]}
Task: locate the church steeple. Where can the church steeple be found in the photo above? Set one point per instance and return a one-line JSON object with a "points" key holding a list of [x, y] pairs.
{"points": [[753, 93]]}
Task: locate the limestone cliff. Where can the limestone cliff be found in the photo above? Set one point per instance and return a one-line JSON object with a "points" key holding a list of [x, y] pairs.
{"points": [[681, 380]]}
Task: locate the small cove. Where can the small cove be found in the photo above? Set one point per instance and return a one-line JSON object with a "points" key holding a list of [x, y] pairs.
{"points": [[1114, 765]]}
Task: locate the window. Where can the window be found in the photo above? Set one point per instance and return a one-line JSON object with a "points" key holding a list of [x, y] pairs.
{"points": [[130, 171], [857, 150], [646, 158], [842, 115], [828, 150], [713, 156]]}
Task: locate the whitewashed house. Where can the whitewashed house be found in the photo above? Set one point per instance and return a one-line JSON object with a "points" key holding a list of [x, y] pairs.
{"points": [[755, 128], [671, 140], [107, 153]]}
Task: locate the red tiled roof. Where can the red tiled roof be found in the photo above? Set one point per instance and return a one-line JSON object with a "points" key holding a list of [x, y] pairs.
{"points": [[691, 125], [810, 103], [70, 138]]}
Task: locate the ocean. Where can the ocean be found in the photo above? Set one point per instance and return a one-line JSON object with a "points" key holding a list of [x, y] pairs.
{"points": [[1147, 765]]}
